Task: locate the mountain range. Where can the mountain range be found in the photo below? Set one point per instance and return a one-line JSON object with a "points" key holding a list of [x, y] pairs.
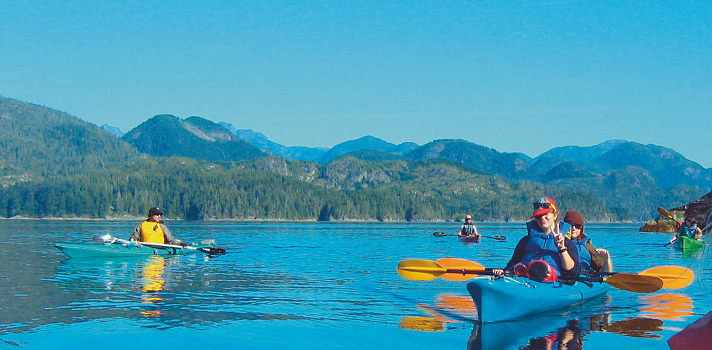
{"points": [[614, 180], [666, 167]]}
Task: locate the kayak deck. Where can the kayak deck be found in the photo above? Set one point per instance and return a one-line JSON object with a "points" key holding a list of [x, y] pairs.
{"points": [[510, 298], [117, 249]]}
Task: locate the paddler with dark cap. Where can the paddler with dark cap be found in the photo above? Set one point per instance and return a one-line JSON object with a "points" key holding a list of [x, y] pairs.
{"points": [[153, 230]]}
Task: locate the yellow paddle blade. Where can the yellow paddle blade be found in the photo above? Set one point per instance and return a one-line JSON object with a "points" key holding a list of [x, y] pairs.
{"points": [[426, 324], [665, 213], [635, 283], [674, 277], [458, 264], [420, 270]]}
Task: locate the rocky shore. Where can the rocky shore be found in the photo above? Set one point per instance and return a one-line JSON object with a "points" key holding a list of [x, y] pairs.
{"points": [[699, 210]]}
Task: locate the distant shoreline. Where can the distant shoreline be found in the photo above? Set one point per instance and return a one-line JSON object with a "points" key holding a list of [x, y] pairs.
{"points": [[141, 218]]}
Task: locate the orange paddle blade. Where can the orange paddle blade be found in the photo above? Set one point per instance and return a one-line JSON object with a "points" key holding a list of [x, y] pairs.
{"points": [[674, 277], [461, 265]]}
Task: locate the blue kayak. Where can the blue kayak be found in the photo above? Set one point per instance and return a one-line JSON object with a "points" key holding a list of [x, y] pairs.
{"points": [[510, 298]]}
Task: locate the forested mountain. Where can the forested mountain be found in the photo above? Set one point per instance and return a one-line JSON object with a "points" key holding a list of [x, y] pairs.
{"points": [[194, 137], [278, 188], [666, 166], [579, 153], [38, 143], [489, 160], [366, 143], [55, 165]]}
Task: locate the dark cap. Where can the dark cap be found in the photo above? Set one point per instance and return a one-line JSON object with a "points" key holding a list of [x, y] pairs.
{"points": [[574, 218], [154, 211]]}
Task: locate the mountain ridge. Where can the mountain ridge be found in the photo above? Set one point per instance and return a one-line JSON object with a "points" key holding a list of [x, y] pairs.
{"points": [[53, 155]]}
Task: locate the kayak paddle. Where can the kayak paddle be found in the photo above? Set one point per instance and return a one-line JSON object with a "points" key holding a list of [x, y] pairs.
{"points": [[455, 264], [627, 281], [666, 213], [207, 250], [495, 237], [674, 277], [423, 270]]}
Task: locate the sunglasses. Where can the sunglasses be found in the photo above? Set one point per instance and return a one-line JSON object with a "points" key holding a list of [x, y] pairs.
{"points": [[538, 205], [578, 227]]}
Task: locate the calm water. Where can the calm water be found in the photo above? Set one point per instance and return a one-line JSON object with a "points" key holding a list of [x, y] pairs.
{"points": [[310, 286]]}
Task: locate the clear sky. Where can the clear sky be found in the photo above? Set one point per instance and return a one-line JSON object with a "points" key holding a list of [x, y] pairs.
{"points": [[517, 76]]}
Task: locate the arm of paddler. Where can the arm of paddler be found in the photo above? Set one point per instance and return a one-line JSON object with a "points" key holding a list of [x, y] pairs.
{"points": [[168, 236], [597, 259], [516, 257], [570, 259], [136, 236]]}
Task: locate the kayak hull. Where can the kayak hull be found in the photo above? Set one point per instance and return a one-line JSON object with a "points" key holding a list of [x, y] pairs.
{"points": [[511, 298], [471, 239], [117, 250], [687, 243]]}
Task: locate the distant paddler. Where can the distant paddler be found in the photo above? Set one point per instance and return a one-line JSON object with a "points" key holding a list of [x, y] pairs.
{"points": [[153, 230], [688, 228], [469, 230]]}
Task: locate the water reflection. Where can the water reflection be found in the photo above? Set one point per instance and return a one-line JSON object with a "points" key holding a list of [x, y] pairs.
{"points": [[151, 277], [557, 333], [449, 308], [637, 327], [667, 306], [549, 332]]}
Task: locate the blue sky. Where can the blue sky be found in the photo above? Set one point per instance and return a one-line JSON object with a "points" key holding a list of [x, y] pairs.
{"points": [[517, 76]]}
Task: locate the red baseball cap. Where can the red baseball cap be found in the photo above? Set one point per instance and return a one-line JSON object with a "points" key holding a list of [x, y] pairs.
{"points": [[544, 206]]}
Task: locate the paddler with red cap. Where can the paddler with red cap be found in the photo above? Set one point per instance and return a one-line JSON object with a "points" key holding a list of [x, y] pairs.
{"points": [[544, 253]]}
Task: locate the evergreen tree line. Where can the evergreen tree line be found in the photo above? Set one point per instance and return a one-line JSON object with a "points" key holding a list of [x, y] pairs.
{"points": [[195, 190]]}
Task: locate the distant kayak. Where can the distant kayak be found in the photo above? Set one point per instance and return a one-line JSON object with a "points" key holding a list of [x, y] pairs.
{"points": [[119, 249], [511, 298], [468, 239], [687, 243], [473, 239]]}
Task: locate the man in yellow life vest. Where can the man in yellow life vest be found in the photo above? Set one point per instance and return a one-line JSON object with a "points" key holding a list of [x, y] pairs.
{"points": [[153, 230]]}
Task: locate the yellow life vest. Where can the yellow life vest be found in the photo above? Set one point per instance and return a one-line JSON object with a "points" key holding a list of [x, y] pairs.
{"points": [[152, 232]]}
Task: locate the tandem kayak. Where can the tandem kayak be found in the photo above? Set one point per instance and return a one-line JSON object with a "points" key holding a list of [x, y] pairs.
{"points": [[687, 243], [129, 249], [511, 298]]}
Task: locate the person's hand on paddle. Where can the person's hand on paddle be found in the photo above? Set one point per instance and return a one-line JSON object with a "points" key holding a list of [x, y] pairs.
{"points": [[672, 240]]}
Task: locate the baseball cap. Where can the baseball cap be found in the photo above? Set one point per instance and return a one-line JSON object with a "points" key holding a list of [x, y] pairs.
{"points": [[544, 206]]}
